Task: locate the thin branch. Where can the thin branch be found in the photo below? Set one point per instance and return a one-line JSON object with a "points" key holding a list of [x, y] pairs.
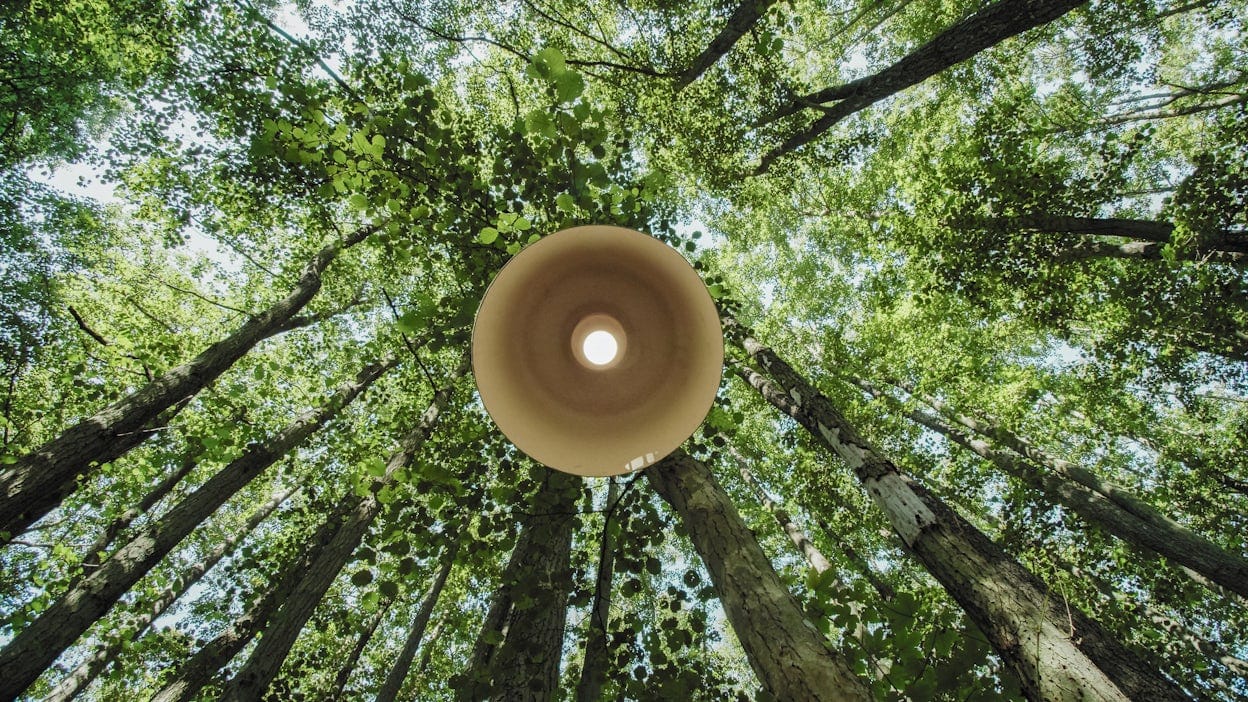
{"points": [[82, 324], [302, 46], [205, 298], [573, 28], [413, 348]]}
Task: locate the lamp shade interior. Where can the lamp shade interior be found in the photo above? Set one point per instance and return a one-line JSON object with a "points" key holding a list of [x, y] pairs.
{"points": [[597, 350]]}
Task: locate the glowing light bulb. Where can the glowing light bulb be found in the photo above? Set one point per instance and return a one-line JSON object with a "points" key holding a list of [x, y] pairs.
{"points": [[600, 347]]}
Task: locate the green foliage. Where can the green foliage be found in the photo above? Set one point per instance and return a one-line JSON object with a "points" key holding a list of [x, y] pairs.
{"points": [[238, 146]]}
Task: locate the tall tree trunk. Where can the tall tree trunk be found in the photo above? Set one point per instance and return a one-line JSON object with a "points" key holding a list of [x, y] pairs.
{"points": [[1113, 507], [1211, 649], [1160, 232], [1087, 250], [594, 667], [190, 677], [743, 19], [98, 660], [883, 589], [796, 534], [982, 30], [398, 672], [426, 655], [40, 480], [790, 657], [818, 562], [361, 642], [525, 666], [94, 553], [253, 679], [36, 646], [1058, 653]]}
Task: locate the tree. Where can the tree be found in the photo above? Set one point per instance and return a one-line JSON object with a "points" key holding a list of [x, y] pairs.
{"points": [[416, 632], [791, 659], [1024, 221]]}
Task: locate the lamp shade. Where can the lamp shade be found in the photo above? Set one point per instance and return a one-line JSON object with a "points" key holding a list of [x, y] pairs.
{"points": [[597, 350]]}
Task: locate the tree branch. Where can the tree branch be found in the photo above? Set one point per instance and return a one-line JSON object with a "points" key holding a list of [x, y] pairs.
{"points": [[747, 14], [982, 30]]}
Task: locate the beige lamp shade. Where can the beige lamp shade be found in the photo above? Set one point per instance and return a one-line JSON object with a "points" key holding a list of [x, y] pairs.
{"points": [[597, 350]]}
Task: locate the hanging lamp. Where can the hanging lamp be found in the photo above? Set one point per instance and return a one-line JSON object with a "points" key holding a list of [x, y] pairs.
{"points": [[597, 350]]}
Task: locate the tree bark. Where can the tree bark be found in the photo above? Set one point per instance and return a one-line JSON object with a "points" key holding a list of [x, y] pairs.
{"points": [[1058, 653], [99, 659], [94, 553], [398, 672], [427, 654], [594, 667], [185, 684], [883, 589], [982, 30], [1141, 251], [743, 19], [525, 666], [40, 480], [796, 534], [1211, 649], [36, 646], [790, 657], [361, 642], [253, 679], [1113, 507]]}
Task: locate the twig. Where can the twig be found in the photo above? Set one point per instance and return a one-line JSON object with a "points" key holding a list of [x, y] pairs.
{"points": [[302, 46], [408, 342], [205, 298], [82, 324]]}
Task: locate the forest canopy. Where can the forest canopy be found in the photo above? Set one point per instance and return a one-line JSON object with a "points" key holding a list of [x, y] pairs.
{"points": [[982, 269]]}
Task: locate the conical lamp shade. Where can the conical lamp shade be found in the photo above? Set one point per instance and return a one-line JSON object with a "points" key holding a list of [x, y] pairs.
{"points": [[553, 395]]}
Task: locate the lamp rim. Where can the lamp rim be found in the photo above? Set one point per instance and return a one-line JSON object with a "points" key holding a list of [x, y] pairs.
{"points": [[555, 439]]}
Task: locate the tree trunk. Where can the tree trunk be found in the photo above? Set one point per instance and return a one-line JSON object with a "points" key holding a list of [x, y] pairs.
{"points": [[40, 480], [427, 654], [883, 589], [98, 660], [398, 672], [790, 657], [185, 684], [361, 642], [1112, 507], [982, 30], [594, 667], [1058, 653], [36, 646], [743, 19], [525, 666], [253, 679], [1211, 649], [796, 534], [1140, 251], [95, 552]]}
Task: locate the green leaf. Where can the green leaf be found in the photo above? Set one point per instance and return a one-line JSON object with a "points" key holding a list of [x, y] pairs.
{"points": [[569, 86], [374, 466], [487, 236], [362, 577], [358, 201], [550, 62], [539, 123], [565, 203], [388, 589], [409, 322]]}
